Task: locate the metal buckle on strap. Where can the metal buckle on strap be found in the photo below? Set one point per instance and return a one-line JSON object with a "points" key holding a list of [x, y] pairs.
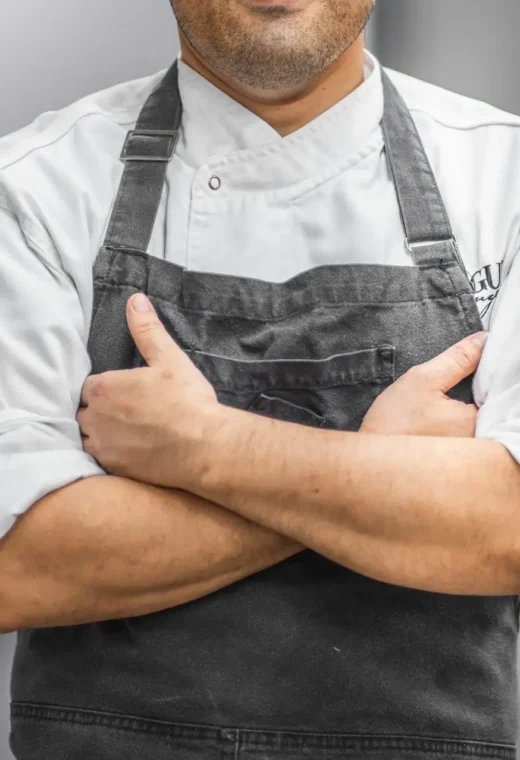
{"points": [[453, 240], [430, 243], [167, 140]]}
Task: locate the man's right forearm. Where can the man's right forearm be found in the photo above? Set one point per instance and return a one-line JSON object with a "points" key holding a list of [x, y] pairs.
{"points": [[106, 547]]}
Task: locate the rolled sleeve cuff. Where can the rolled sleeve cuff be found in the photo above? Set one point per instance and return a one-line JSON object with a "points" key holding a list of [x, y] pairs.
{"points": [[28, 477]]}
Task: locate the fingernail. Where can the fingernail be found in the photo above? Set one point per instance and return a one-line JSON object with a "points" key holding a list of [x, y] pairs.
{"points": [[480, 338], [141, 303]]}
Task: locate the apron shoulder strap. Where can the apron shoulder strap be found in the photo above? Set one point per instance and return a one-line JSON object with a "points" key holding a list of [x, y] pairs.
{"points": [[147, 150], [429, 235], [150, 146]]}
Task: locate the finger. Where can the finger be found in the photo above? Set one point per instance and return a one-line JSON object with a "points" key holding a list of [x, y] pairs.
{"points": [[87, 390], [456, 363], [81, 419], [463, 423], [157, 347], [87, 445], [96, 384]]}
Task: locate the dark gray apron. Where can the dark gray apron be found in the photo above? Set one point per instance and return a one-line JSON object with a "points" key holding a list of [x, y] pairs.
{"points": [[306, 659]]}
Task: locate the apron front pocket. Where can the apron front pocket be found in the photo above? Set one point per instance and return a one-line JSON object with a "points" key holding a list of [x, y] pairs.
{"points": [[335, 392]]}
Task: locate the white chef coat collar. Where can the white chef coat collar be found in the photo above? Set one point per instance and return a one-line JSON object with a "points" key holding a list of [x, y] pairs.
{"points": [[222, 135]]}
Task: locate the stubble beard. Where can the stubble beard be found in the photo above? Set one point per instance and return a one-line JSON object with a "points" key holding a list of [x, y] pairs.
{"points": [[272, 50]]}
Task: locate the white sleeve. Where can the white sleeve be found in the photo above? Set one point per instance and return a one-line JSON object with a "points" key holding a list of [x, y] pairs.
{"points": [[43, 365], [497, 381]]}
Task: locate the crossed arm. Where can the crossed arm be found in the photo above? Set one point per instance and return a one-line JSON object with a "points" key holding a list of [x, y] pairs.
{"points": [[110, 547], [437, 514], [266, 490], [107, 547]]}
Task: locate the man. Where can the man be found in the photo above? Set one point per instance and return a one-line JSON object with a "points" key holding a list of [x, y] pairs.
{"points": [[269, 531]]}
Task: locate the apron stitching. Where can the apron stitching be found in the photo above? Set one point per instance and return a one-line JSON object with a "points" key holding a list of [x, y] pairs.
{"points": [[314, 307], [463, 306]]}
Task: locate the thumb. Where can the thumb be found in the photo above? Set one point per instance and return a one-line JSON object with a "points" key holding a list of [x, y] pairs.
{"points": [[459, 361], [151, 337]]}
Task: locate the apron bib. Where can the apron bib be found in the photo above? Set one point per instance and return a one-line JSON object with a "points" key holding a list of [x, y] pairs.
{"points": [[306, 659]]}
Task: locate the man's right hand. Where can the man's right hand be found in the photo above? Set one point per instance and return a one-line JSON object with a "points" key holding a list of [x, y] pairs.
{"points": [[417, 403]]}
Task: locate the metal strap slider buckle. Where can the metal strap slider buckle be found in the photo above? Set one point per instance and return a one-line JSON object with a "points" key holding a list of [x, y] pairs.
{"points": [[430, 243], [165, 145]]}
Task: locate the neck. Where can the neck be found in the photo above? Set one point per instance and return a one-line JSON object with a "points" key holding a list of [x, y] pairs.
{"points": [[288, 112]]}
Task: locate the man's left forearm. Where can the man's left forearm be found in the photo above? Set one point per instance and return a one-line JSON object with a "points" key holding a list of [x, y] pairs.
{"points": [[439, 514]]}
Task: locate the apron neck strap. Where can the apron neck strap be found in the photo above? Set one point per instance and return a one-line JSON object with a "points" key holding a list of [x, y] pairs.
{"points": [[429, 235], [148, 149]]}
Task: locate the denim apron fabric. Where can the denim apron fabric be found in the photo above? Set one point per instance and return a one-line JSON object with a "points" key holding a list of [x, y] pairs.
{"points": [[306, 659]]}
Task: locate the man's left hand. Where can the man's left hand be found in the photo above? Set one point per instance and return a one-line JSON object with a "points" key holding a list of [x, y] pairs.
{"points": [[150, 423]]}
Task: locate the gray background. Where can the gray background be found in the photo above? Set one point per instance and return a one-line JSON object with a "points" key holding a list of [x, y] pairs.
{"points": [[55, 52]]}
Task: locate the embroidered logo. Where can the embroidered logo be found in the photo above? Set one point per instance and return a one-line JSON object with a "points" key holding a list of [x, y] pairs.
{"points": [[486, 285]]}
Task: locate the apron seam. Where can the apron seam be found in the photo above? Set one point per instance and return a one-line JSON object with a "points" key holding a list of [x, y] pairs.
{"points": [[251, 736]]}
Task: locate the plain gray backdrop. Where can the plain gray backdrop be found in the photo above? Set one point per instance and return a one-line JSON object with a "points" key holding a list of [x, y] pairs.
{"points": [[55, 52]]}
